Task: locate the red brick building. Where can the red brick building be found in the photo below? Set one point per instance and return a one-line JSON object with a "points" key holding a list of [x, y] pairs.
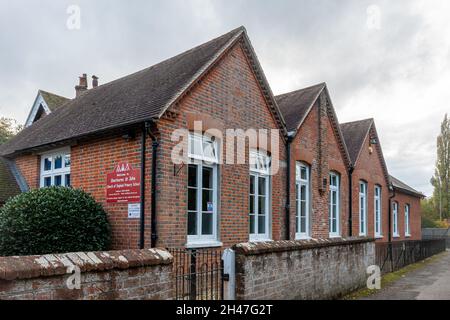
{"points": [[375, 213], [129, 125], [406, 212], [319, 162]]}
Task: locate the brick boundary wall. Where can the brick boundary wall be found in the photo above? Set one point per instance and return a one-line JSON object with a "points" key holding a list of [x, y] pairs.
{"points": [[302, 270], [122, 275]]}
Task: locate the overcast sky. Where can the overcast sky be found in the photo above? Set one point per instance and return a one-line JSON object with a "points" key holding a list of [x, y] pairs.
{"points": [[389, 60]]}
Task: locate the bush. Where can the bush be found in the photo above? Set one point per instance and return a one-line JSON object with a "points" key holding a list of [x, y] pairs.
{"points": [[53, 220], [442, 224], [428, 223]]}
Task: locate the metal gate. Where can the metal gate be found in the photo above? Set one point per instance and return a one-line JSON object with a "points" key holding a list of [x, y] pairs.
{"points": [[198, 274]]}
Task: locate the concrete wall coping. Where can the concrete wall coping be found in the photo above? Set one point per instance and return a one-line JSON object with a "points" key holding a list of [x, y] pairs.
{"points": [[27, 267], [256, 248]]}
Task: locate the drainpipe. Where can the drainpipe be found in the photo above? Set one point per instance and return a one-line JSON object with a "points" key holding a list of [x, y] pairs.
{"points": [[143, 152], [390, 229], [147, 131], [155, 144], [350, 200], [288, 186]]}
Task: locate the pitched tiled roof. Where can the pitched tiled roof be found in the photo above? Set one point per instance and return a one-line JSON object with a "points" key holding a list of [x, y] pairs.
{"points": [[403, 187], [8, 185], [355, 134], [295, 105], [135, 98], [53, 101]]}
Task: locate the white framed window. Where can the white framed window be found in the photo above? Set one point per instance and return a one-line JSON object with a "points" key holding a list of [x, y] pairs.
{"points": [[203, 148], [377, 211], [334, 205], [55, 169], [362, 208], [202, 192], [407, 224], [302, 200], [260, 162], [259, 196], [395, 220]]}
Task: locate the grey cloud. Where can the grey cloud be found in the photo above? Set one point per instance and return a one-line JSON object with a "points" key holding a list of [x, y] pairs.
{"points": [[298, 42]]}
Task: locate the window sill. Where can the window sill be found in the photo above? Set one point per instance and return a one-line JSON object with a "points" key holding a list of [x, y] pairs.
{"points": [[363, 235], [206, 244], [302, 237], [260, 240], [408, 236], [396, 236], [379, 237], [335, 236]]}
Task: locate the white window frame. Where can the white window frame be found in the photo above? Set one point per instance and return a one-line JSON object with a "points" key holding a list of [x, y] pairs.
{"points": [[334, 189], [407, 220], [395, 231], [201, 161], [260, 168], [299, 183], [363, 208], [378, 212], [199, 150], [52, 173]]}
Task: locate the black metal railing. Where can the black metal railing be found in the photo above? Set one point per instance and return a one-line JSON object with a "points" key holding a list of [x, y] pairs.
{"points": [[198, 274], [393, 256]]}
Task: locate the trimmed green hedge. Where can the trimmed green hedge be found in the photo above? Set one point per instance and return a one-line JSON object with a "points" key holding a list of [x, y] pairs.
{"points": [[53, 220]]}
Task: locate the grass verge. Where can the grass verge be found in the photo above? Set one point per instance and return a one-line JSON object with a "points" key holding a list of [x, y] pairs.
{"points": [[390, 278]]}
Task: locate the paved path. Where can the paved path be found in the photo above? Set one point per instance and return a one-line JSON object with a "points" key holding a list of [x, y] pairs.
{"points": [[431, 282]]}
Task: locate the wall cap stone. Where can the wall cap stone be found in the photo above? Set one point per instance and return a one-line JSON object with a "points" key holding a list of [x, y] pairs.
{"points": [[27, 267], [256, 248]]}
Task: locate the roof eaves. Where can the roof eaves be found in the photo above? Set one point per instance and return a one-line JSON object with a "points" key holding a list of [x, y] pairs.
{"points": [[409, 192], [62, 142], [404, 188]]}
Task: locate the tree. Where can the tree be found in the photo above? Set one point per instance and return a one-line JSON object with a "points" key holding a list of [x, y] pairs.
{"points": [[441, 178], [8, 129]]}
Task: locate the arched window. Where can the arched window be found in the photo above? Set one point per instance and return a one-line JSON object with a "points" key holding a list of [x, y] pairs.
{"points": [[259, 196], [202, 190], [407, 218], [362, 208], [377, 211], [302, 200], [334, 205], [395, 220]]}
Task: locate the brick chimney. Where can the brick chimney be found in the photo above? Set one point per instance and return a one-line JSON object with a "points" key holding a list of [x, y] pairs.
{"points": [[94, 81], [79, 89]]}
